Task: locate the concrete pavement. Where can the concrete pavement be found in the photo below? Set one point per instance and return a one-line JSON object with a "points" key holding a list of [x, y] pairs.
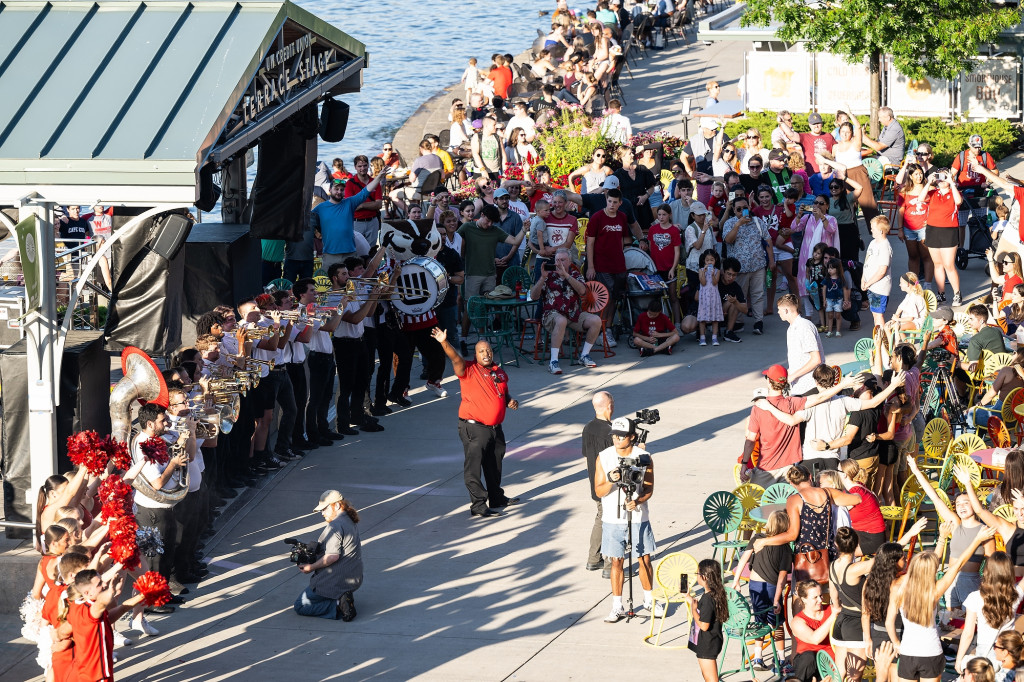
{"points": [[447, 597]]}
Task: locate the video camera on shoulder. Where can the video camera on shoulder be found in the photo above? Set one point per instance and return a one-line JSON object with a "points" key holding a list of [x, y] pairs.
{"points": [[301, 552]]}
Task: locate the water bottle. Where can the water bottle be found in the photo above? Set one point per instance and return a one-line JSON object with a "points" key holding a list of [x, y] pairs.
{"points": [[768, 278]]}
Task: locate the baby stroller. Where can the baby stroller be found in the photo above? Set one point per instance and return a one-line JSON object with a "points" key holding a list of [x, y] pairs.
{"points": [[979, 239], [643, 286]]}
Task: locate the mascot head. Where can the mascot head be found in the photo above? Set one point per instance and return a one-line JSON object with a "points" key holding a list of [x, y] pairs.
{"points": [[411, 238]]}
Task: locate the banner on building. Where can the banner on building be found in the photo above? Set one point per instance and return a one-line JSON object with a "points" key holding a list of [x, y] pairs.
{"points": [[918, 97], [839, 82], [991, 90], [778, 80]]}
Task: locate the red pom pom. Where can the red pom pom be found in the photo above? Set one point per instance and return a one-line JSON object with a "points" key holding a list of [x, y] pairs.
{"points": [[85, 448], [123, 547], [153, 588], [118, 453], [116, 498], [155, 450]]}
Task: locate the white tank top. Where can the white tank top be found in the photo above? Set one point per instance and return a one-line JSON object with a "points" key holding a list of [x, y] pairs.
{"points": [[919, 640], [849, 158]]}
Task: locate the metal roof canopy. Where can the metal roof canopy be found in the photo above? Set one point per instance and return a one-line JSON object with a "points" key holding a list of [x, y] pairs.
{"points": [[122, 101]]}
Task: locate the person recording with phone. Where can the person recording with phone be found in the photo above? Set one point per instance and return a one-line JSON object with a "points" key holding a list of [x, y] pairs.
{"points": [[624, 479], [747, 236], [561, 290]]}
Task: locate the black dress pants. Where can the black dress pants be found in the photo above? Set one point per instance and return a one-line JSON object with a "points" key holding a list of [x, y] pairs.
{"points": [[163, 520], [321, 392], [385, 354], [350, 355], [485, 449], [297, 375], [431, 353]]}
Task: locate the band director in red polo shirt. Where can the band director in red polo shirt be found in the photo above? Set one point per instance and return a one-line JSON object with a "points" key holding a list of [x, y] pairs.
{"points": [[484, 387]]}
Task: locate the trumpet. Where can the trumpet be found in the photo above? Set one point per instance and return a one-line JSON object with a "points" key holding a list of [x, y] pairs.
{"points": [[251, 364], [253, 333], [229, 386], [252, 379]]}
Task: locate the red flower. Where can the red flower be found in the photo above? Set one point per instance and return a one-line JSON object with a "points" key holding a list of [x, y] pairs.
{"points": [[155, 450], [85, 448], [153, 588]]}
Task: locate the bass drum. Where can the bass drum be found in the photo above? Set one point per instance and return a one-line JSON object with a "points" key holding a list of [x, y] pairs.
{"points": [[428, 278]]}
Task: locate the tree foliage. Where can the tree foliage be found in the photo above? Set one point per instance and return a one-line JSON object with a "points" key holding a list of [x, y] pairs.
{"points": [[938, 38]]}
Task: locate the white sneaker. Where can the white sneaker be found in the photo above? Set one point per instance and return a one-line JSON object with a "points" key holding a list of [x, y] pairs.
{"points": [[587, 362], [554, 368], [437, 389], [616, 615], [121, 640], [657, 609], [142, 625], [612, 343]]}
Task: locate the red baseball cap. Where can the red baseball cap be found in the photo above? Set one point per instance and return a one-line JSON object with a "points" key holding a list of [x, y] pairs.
{"points": [[776, 373]]}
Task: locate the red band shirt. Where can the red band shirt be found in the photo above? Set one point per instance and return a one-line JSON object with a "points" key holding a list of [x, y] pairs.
{"points": [[484, 394]]}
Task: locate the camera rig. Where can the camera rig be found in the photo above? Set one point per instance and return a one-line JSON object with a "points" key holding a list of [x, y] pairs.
{"points": [[301, 552]]}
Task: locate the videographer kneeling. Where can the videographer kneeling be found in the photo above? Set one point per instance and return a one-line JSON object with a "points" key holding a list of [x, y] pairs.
{"points": [[626, 472], [338, 568]]}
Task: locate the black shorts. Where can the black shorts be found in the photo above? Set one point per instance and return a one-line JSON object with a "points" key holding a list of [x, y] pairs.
{"points": [[847, 628], [942, 237], [870, 542], [261, 398], [917, 667], [615, 283]]}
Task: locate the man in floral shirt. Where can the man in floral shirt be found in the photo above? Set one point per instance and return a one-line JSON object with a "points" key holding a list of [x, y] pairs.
{"points": [[746, 237], [563, 288]]}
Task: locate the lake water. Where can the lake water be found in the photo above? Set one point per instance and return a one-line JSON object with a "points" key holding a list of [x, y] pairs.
{"points": [[416, 49]]}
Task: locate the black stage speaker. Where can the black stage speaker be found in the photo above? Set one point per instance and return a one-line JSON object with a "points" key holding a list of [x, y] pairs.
{"points": [[333, 120], [84, 386], [221, 268], [171, 235], [145, 310]]}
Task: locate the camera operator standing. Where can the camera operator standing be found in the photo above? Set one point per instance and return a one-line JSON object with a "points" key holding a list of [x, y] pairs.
{"points": [[626, 477], [597, 436], [338, 568]]}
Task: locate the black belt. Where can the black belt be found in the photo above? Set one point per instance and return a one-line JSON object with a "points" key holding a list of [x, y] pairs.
{"points": [[476, 423], [320, 352]]}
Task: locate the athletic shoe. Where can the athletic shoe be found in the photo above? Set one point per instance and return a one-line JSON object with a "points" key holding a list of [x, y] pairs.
{"points": [[610, 341], [646, 352], [586, 361], [142, 625], [702, 341], [941, 298], [829, 334], [121, 640], [668, 351], [554, 368], [437, 389], [956, 299], [838, 334], [617, 614], [730, 336], [714, 340], [758, 328], [657, 609]]}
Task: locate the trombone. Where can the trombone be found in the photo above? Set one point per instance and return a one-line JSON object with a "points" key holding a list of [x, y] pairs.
{"points": [[397, 290]]}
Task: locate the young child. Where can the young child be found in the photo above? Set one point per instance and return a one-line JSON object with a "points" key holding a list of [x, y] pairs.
{"points": [[709, 302], [815, 277], [471, 77], [837, 296], [718, 200], [1002, 215], [654, 331], [767, 579], [877, 280], [707, 617]]}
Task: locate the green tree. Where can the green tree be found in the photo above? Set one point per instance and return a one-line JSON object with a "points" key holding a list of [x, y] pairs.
{"points": [[938, 38]]}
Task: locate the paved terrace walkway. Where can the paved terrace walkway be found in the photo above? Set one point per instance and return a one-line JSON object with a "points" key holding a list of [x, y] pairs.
{"points": [[450, 598]]}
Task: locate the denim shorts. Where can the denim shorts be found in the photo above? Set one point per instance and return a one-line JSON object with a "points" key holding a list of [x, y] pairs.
{"points": [[613, 540], [835, 306], [914, 235], [877, 302]]}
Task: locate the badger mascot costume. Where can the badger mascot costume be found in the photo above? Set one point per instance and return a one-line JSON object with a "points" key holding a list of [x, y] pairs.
{"points": [[421, 285]]}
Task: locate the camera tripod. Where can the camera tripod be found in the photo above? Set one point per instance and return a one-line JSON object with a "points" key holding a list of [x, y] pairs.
{"points": [[627, 564]]}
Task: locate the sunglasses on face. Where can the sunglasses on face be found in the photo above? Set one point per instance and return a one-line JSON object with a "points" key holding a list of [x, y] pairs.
{"points": [[835, 187], [922, 154], [387, 149], [754, 167], [820, 203], [753, 137]]}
